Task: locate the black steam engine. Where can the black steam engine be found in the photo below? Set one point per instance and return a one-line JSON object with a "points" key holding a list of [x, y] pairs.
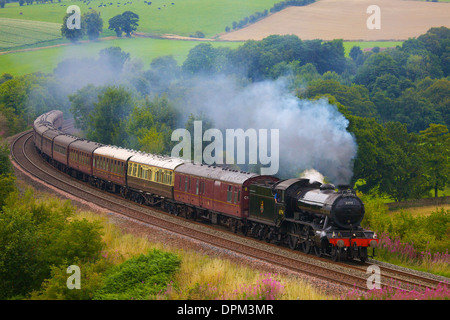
{"points": [[312, 217]]}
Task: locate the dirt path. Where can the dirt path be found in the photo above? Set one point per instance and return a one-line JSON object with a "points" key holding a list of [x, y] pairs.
{"points": [[347, 19]]}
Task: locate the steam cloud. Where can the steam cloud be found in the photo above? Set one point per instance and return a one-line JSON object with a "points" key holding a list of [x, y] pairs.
{"points": [[312, 133]]}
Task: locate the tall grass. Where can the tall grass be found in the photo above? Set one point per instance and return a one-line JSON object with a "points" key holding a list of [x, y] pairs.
{"points": [[203, 277]]}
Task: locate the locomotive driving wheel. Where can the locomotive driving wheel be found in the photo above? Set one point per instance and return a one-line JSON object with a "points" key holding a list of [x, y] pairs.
{"points": [[336, 253], [318, 251], [292, 237], [306, 244]]}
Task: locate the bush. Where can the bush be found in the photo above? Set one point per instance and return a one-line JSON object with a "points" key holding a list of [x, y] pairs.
{"points": [[142, 277], [38, 235]]}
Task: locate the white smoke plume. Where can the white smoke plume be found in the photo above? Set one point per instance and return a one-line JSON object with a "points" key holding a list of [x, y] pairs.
{"points": [[312, 133], [312, 175]]}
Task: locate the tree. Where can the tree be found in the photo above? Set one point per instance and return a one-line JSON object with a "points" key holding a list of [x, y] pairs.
{"points": [[107, 120], [116, 23], [126, 22], [114, 57], [94, 24], [7, 178], [130, 22], [403, 178], [82, 104], [72, 34], [435, 145]]}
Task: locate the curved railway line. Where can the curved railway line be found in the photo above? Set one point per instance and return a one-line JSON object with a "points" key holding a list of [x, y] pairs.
{"points": [[348, 275]]}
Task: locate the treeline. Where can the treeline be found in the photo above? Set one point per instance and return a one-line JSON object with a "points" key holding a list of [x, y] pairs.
{"points": [[396, 100], [290, 3], [260, 15]]}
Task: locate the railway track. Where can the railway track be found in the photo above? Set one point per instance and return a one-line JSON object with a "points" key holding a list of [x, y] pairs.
{"points": [[351, 276]]}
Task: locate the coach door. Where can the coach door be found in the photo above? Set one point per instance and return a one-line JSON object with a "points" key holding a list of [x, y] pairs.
{"points": [[201, 192]]}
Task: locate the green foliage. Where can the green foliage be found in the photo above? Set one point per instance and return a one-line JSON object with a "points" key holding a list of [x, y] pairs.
{"points": [[94, 24], [91, 280], [7, 178], [82, 104], [435, 145], [150, 125], [126, 22], [107, 120], [139, 278], [425, 233], [23, 98], [72, 34], [36, 235]]}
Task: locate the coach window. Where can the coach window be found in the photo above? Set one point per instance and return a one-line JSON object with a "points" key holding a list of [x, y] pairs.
{"points": [[129, 168], [229, 194], [235, 195], [196, 186], [239, 195], [186, 184]]}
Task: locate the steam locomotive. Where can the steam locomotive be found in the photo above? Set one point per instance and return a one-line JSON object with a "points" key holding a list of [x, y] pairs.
{"points": [[304, 215]]}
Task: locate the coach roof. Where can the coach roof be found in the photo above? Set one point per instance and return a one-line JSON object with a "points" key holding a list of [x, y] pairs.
{"points": [[85, 145], [216, 173], [115, 152], [159, 161], [65, 139]]}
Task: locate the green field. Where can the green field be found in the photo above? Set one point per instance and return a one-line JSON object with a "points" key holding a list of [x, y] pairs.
{"points": [[15, 32], [184, 17], [348, 45], [146, 49]]}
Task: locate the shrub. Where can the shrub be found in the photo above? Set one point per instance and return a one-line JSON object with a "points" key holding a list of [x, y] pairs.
{"points": [[142, 277]]}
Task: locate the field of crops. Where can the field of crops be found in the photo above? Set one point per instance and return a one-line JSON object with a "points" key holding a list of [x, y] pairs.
{"points": [[15, 32]]}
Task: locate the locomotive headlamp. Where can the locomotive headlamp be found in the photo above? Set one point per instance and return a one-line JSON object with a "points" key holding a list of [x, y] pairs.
{"points": [[375, 236]]}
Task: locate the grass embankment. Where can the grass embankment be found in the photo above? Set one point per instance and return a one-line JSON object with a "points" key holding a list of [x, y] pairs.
{"points": [[201, 276]]}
